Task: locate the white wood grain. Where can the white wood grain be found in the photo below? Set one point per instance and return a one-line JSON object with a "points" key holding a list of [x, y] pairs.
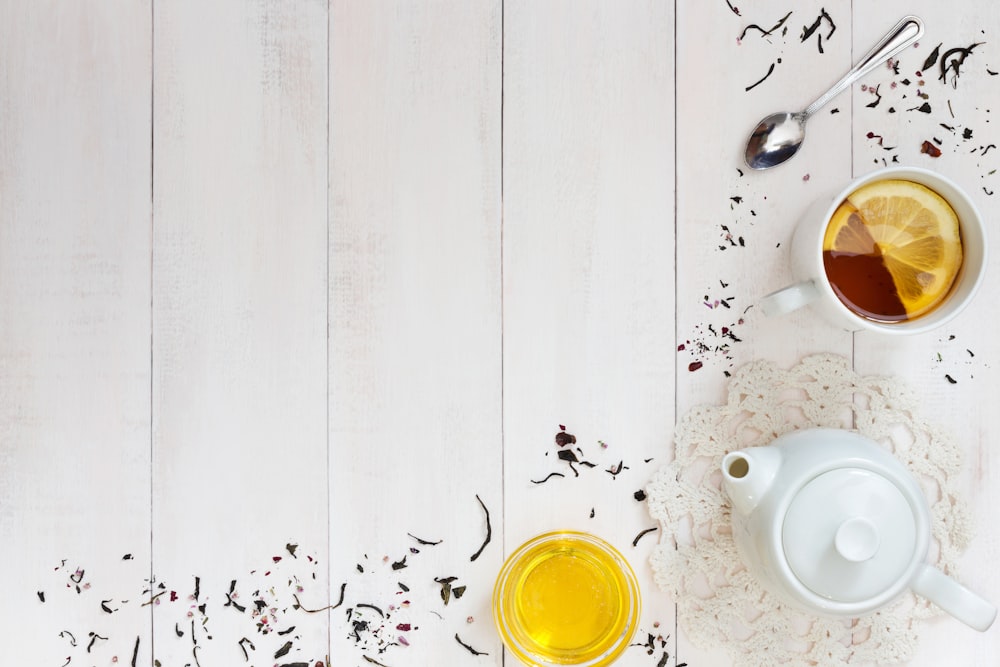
{"points": [[239, 321], [74, 326], [415, 335], [588, 272], [965, 349]]}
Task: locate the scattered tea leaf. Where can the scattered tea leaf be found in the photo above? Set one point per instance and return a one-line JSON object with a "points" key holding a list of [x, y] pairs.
{"points": [[930, 149], [547, 478], [93, 638], [283, 651], [563, 438], [807, 31], [615, 470], [489, 529], [762, 79], [642, 534], [446, 590], [399, 564], [764, 33], [469, 648], [931, 59], [878, 98], [427, 543], [961, 54], [372, 607], [298, 605]]}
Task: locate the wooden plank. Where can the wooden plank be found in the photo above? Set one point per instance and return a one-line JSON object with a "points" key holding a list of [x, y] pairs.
{"points": [[735, 224], [74, 330], [957, 120], [239, 329], [589, 272], [415, 329]]}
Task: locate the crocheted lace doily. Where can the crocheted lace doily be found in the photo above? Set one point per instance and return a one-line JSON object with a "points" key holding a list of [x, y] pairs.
{"points": [[696, 562]]}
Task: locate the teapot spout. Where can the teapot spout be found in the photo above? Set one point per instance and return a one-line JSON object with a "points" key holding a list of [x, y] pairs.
{"points": [[954, 598], [748, 474]]}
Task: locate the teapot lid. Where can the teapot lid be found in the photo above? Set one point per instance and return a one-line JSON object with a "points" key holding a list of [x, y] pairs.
{"points": [[849, 535]]}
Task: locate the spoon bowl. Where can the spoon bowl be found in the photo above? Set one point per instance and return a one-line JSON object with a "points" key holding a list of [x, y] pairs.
{"points": [[778, 137], [775, 139]]}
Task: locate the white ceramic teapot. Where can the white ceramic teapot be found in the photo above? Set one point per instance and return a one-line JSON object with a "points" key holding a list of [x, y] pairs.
{"points": [[831, 522]]}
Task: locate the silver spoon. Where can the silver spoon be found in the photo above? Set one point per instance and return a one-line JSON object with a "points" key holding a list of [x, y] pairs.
{"points": [[778, 137]]}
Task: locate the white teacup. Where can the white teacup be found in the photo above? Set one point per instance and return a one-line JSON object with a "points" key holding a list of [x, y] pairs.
{"points": [[813, 287]]}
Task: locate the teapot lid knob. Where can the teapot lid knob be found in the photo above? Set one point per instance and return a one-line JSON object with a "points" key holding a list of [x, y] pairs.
{"points": [[857, 539]]}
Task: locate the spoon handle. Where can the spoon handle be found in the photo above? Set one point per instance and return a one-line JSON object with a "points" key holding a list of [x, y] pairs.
{"points": [[906, 32]]}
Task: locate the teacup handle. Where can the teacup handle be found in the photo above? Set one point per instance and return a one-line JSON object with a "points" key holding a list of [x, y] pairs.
{"points": [[954, 598], [789, 298]]}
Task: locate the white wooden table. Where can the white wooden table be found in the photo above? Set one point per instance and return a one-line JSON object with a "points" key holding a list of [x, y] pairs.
{"points": [[286, 285]]}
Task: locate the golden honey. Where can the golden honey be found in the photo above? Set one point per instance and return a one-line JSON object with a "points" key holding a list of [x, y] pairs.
{"points": [[566, 598]]}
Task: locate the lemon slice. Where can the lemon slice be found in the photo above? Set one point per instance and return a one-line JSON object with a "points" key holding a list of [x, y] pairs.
{"points": [[912, 228]]}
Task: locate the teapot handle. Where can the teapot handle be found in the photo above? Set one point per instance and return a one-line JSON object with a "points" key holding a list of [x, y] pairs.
{"points": [[954, 598]]}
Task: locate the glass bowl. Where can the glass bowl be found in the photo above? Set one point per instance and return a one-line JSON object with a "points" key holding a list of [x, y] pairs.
{"points": [[566, 598]]}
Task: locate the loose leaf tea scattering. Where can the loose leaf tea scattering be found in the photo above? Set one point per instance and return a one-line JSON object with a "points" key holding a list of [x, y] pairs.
{"points": [[807, 31], [191, 620]]}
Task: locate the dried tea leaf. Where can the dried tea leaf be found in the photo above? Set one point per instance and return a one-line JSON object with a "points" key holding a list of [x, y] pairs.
{"points": [[547, 478], [931, 59], [563, 438], [642, 534], [283, 650], [469, 648], [489, 529]]}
